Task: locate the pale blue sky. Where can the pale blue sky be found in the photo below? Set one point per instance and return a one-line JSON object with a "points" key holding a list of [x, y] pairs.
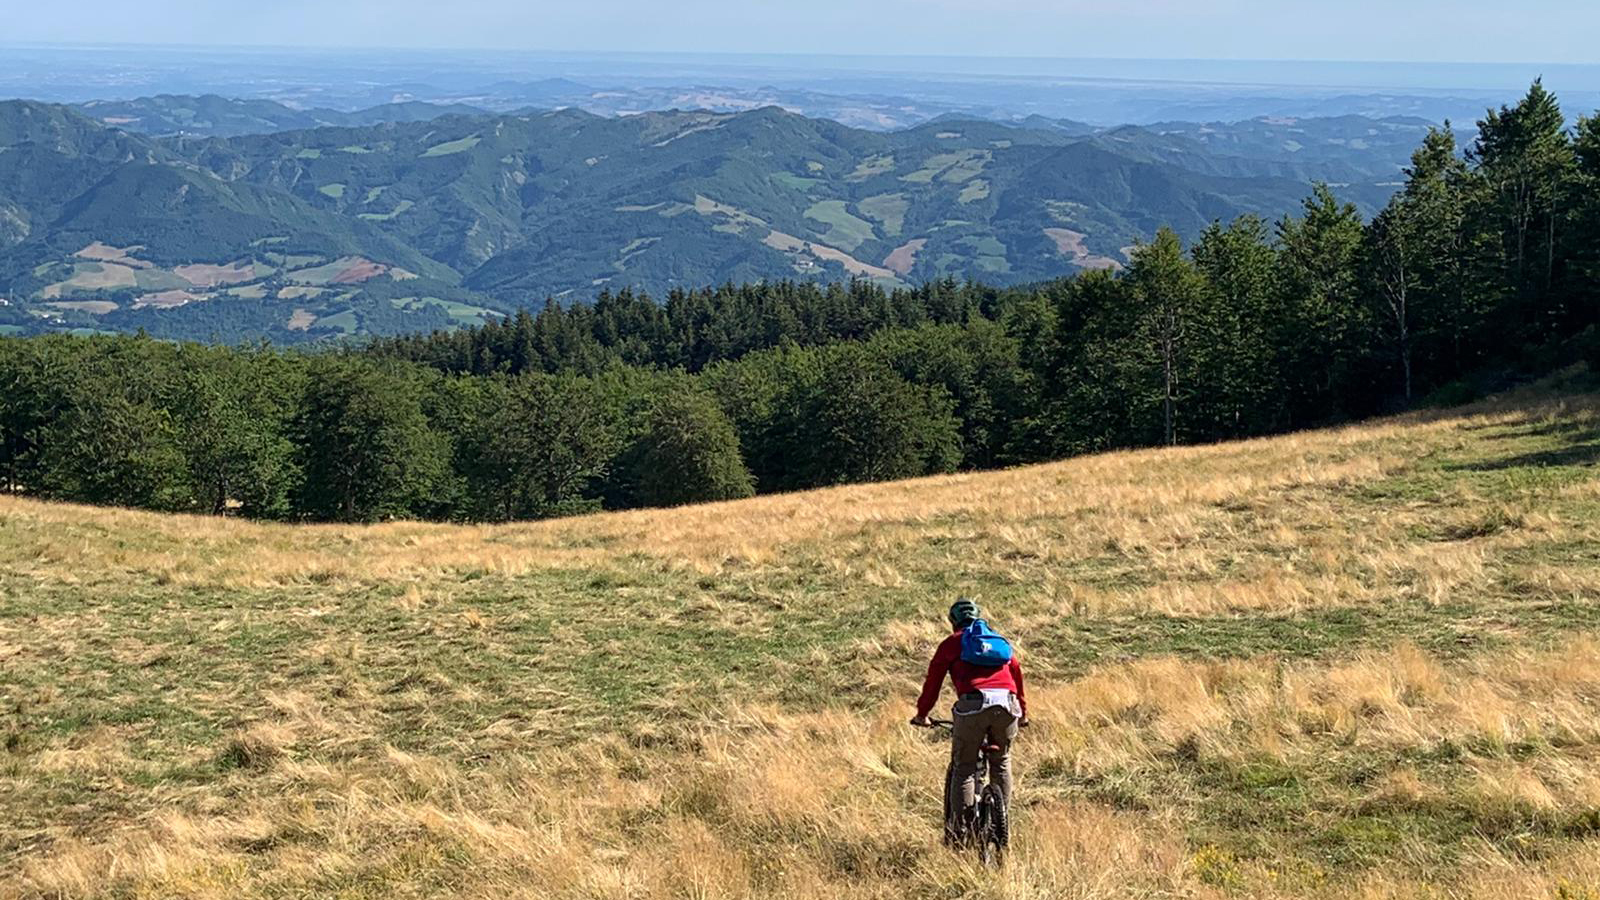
{"points": [[1537, 31]]}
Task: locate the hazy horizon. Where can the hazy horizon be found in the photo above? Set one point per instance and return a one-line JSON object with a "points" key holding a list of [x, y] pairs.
{"points": [[1456, 76], [1542, 32]]}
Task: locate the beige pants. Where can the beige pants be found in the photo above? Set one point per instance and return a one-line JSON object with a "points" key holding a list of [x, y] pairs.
{"points": [[973, 727]]}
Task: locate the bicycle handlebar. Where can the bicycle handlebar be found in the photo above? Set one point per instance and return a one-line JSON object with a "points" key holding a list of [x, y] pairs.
{"points": [[946, 723]]}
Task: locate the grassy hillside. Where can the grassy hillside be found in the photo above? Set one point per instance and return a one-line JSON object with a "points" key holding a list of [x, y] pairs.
{"points": [[1360, 662]]}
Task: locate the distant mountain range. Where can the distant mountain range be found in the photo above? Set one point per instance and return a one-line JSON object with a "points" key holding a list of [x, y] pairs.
{"points": [[214, 116], [210, 217]]}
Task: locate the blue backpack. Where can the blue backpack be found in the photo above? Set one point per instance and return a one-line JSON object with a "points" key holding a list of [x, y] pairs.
{"points": [[980, 646]]}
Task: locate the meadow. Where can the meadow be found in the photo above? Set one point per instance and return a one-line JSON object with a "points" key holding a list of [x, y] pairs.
{"points": [[1359, 662]]}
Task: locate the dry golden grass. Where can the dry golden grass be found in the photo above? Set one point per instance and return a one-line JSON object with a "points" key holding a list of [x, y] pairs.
{"points": [[1354, 663], [832, 804], [1158, 508]]}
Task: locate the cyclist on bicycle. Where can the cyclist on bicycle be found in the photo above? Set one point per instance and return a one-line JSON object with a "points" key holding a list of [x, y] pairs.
{"points": [[990, 706]]}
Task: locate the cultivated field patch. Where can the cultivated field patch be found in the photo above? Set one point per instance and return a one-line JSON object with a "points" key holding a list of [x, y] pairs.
{"points": [[103, 252], [975, 190], [904, 257], [464, 313], [872, 166], [344, 270], [93, 276], [301, 292], [208, 275], [1070, 244], [400, 207], [168, 299], [797, 182], [954, 167], [92, 307]]}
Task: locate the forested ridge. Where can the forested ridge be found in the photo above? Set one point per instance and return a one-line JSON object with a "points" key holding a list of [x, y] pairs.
{"points": [[1482, 269], [387, 227]]}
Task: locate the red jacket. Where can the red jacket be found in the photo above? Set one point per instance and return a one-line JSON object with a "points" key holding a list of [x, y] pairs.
{"points": [[967, 677]]}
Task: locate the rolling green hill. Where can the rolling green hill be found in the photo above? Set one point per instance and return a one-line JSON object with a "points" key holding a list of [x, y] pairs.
{"points": [[396, 225]]}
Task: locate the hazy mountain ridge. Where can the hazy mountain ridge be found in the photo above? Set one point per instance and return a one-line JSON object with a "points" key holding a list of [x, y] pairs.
{"points": [[213, 115], [453, 217]]}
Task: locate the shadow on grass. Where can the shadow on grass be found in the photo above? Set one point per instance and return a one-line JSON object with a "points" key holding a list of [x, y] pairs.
{"points": [[1572, 445], [1447, 631]]}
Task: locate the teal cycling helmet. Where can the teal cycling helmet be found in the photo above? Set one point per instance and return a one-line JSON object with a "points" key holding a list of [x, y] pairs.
{"points": [[963, 612]]}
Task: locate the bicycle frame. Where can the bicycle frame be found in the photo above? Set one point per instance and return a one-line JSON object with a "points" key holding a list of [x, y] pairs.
{"points": [[980, 817]]}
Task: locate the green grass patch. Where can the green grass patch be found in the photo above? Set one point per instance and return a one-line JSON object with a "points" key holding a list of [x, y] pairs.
{"points": [[957, 166], [797, 182], [346, 321], [975, 190], [888, 210], [399, 208], [452, 147], [844, 230], [872, 166], [463, 313], [1277, 748]]}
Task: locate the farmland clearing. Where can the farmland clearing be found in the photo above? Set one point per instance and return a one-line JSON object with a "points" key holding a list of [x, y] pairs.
{"points": [[1070, 244]]}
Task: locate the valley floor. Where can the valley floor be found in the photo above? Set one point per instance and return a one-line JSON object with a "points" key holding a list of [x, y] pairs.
{"points": [[1362, 662]]}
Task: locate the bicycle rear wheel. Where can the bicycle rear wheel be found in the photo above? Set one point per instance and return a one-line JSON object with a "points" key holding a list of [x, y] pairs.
{"points": [[994, 827]]}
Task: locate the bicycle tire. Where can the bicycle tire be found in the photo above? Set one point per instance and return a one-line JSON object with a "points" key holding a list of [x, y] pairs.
{"points": [[952, 828], [995, 834]]}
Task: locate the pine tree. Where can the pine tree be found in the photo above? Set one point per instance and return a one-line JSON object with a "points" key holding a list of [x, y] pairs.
{"points": [[1323, 322], [1585, 205], [1236, 358], [1166, 294], [1523, 163]]}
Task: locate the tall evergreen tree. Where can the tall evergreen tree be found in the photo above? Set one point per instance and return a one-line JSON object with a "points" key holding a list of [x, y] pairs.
{"points": [[1585, 205], [1322, 320], [1523, 161], [1236, 358], [1166, 294]]}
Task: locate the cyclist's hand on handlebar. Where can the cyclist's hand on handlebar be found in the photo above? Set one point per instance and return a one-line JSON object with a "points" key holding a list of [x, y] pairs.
{"points": [[921, 722]]}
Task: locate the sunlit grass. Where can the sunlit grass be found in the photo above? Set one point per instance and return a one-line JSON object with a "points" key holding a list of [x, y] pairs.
{"points": [[1358, 662]]}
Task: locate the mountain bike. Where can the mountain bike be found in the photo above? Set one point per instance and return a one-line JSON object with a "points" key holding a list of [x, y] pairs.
{"points": [[988, 823]]}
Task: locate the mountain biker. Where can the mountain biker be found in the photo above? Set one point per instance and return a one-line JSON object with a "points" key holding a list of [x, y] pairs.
{"points": [[990, 706]]}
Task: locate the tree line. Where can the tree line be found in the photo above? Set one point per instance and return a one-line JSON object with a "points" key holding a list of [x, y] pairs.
{"points": [[1483, 268]]}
